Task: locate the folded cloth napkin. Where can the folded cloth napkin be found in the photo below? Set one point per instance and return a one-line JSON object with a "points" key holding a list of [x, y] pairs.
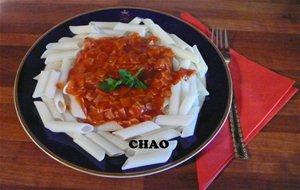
{"points": [[258, 101]]}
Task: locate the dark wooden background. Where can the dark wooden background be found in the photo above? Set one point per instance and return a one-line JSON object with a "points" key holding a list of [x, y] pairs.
{"points": [[266, 31]]}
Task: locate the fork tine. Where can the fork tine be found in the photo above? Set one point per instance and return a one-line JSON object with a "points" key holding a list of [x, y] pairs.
{"points": [[217, 37], [221, 38], [226, 39], [212, 34]]}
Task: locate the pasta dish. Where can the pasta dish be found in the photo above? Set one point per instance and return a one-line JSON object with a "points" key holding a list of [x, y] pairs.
{"points": [[114, 83]]}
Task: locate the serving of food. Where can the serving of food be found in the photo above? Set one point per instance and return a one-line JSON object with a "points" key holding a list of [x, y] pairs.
{"points": [[127, 91], [116, 85]]}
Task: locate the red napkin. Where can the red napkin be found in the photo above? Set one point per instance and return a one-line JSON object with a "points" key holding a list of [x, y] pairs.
{"points": [[258, 101]]}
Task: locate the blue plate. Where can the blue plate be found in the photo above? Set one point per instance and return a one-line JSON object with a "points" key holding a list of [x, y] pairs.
{"points": [[60, 146]]}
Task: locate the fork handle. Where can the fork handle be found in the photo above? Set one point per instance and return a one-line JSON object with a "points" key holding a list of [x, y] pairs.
{"points": [[240, 150]]}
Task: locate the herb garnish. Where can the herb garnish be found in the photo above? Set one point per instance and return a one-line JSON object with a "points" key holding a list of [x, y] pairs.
{"points": [[127, 79]]}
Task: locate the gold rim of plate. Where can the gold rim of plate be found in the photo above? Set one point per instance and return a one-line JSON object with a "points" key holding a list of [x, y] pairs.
{"points": [[109, 174]]}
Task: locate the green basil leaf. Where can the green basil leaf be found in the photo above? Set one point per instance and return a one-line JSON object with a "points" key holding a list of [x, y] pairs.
{"points": [[109, 84], [124, 73], [110, 81], [139, 84], [127, 79], [105, 86]]}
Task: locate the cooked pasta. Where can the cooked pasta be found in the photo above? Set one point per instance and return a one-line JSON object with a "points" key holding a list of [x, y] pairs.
{"points": [[109, 148], [158, 83], [143, 158], [136, 130]]}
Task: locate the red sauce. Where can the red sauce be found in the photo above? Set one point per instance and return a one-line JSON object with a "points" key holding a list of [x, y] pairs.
{"points": [[60, 85], [101, 59]]}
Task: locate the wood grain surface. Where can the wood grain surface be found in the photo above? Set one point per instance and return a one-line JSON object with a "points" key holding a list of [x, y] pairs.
{"points": [[266, 31]]}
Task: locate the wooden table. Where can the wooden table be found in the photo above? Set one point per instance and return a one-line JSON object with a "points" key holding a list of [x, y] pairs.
{"points": [[266, 31]]}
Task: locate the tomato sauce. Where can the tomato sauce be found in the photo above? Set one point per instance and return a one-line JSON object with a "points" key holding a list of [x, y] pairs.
{"points": [[103, 58]]}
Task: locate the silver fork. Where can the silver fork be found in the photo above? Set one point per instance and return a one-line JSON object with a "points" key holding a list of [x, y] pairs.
{"points": [[219, 37]]}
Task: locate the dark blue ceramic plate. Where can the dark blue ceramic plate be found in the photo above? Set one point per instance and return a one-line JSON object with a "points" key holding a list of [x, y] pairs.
{"points": [[61, 148]]}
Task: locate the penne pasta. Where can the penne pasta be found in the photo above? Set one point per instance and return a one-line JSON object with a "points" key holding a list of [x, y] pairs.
{"points": [[203, 81], [201, 100], [65, 69], [149, 158], [201, 88], [71, 54], [108, 147], [166, 102], [196, 102], [50, 88], [73, 135], [187, 104], [68, 116], [48, 52], [189, 129], [161, 134], [144, 158], [90, 147], [136, 130], [36, 77], [53, 66], [185, 63], [129, 27], [193, 89], [60, 126], [120, 143], [68, 126], [184, 91], [97, 35], [196, 87], [141, 29], [201, 65], [193, 67], [111, 32], [59, 102], [108, 25], [176, 64], [83, 29], [179, 42], [174, 120], [75, 108], [65, 45], [159, 32], [190, 49], [175, 99], [162, 128], [43, 111], [193, 86], [52, 108], [166, 105], [69, 39], [108, 126], [80, 36], [136, 20], [184, 54], [142, 33], [41, 84]]}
